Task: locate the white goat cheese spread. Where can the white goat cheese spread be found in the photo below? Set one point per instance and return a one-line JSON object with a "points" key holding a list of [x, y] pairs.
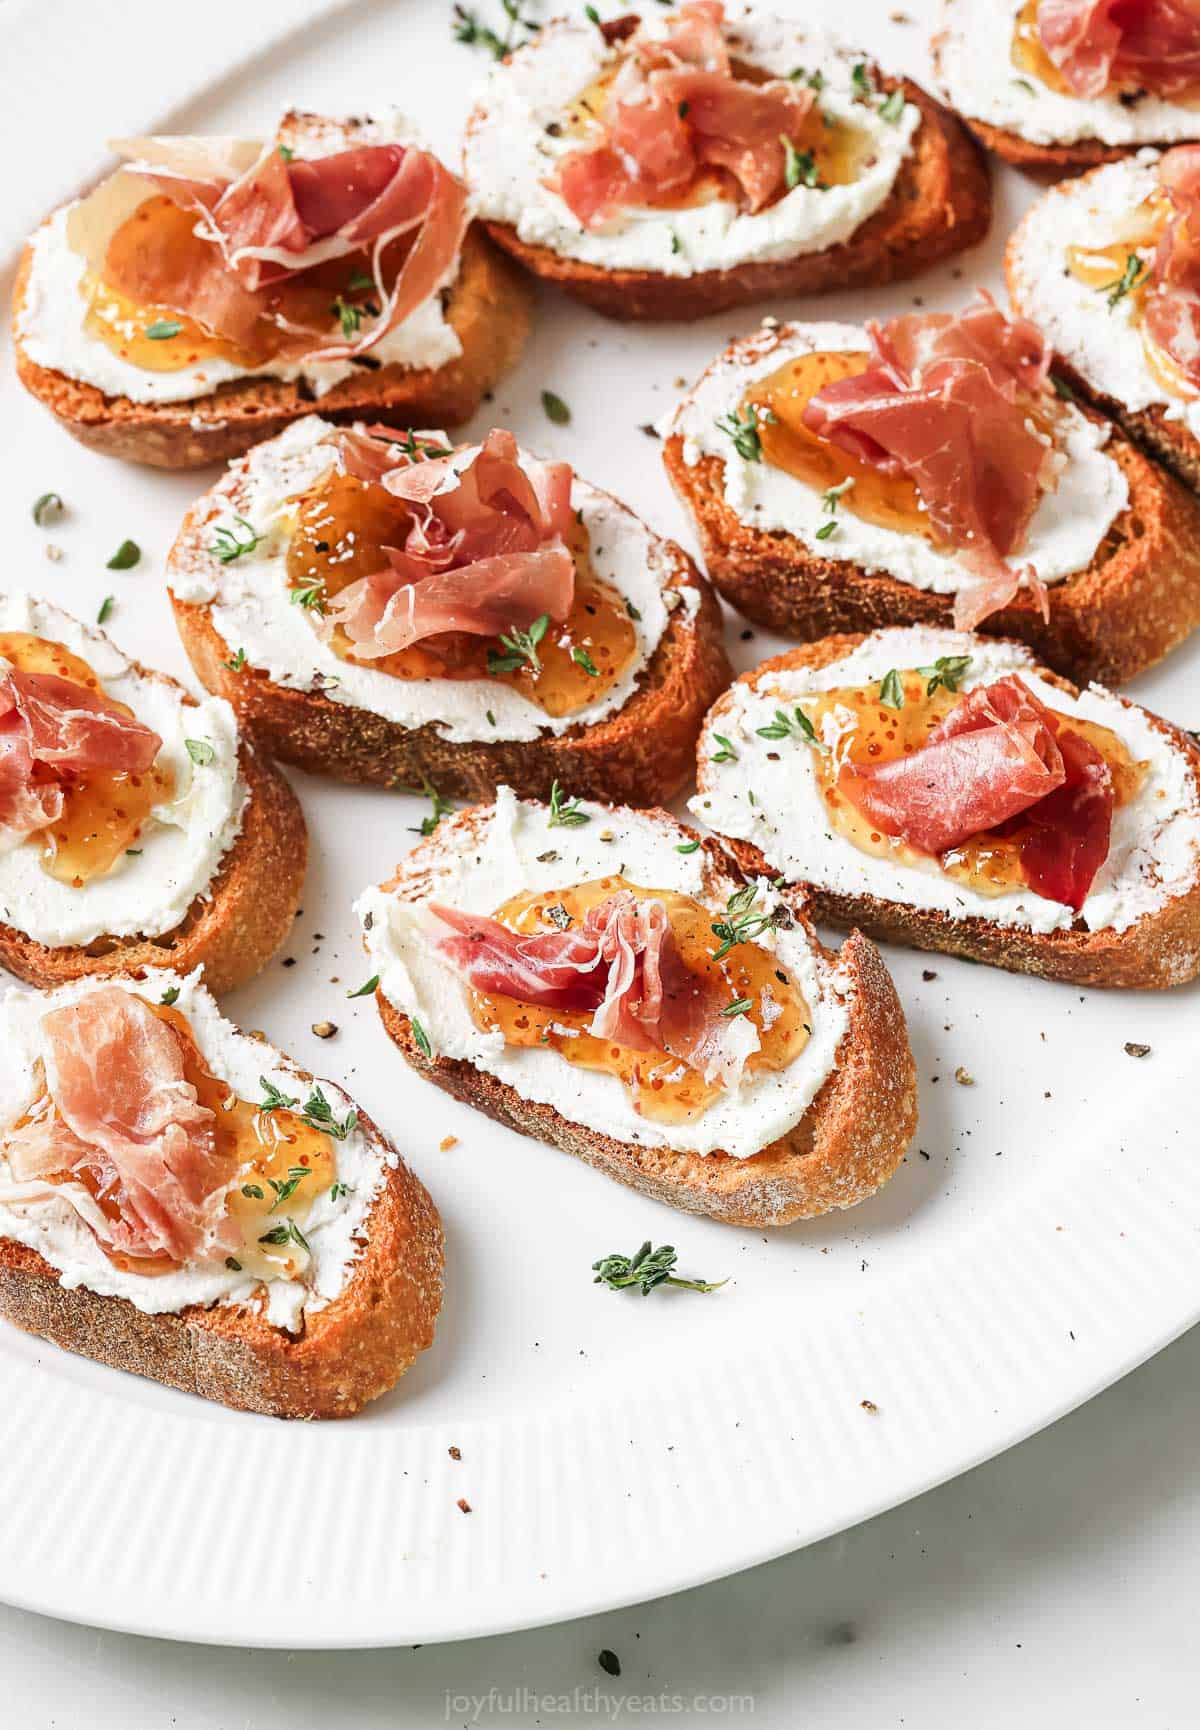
{"points": [[510, 154], [252, 611], [981, 80], [1068, 525], [475, 870], [51, 325], [180, 848], [1155, 848], [333, 1227]]}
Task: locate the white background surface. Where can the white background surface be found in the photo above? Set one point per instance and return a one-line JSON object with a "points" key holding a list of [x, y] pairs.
{"points": [[1027, 1588], [1055, 1586]]}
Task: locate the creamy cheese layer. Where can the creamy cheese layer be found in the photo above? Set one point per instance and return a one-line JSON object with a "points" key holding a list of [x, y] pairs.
{"points": [[518, 849], [980, 80], [333, 1228], [1103, 343], [251, 609], [1069, 524], [771, 796], [52, 330], [510, 153], [181, 847]]}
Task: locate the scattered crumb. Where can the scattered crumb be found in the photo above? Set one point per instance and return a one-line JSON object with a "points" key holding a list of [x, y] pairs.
{"points": [[963, 1078], [53, 553], [447, 1142], [454, 1453], [324, 1029], [609, 1662], [927, 974], [922, 1153], [649, 428], [869, 1406], [464, 1505], [899, 17], [1133, 1050]]}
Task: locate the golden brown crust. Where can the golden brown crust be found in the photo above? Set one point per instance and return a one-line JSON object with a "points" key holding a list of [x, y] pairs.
{"points": [[350, 1352], [642, 754], [1138, 598], [941, 204], [488, 305], [1160, 949], [232, 931], [845, 1147]]}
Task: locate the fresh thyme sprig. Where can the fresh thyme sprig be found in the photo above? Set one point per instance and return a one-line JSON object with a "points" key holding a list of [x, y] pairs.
{"points": [[741, 923], [441, 808], [1129, 279], [794, 726], [469, 29], [521, 647], [316, 1111], [829, 504], [565, 813], [311, 597], [891, 690], [947, 670], [744, 432], [799, 166], [230, 545], [646, 1270]]}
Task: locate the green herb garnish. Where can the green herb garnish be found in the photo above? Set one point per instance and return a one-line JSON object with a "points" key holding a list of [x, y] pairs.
{"points": [[106, 607], [645, 1270], [799, 166], [230, 544], [584, 660], [727, 753], [170, 995], [311, 597], [739, 1006], [201, 752], [744, 433], [892, 107], [125, 557], [366, 990], [556, 409], [163, 329], [688, 846], [565, 813], [520, 648], [891, 690], [422, 1038], [237, 663], [947, 670], [794, 726], [741, 923], [1129, 279], [47, 509]]}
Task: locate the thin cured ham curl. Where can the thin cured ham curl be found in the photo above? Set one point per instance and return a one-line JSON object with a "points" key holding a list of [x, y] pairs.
{"points": [[485, 551], [1099, 45], [269, 218], [52, 729], [1171, 307], [623, 963], [999, 762], [675, 108], [945, 401], [123, 1115]]}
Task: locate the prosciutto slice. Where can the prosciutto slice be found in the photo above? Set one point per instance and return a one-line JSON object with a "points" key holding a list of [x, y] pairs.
{"points": [[485, 551], [945, 400], [676, 108], [123, 1115], [999, 761], [1171, 308], [1101, 44], [622, 963], [269, 217], [52, 729]]}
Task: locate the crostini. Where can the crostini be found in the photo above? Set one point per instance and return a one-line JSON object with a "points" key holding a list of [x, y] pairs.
{"points": [[945, 791], [1108, 266], [924, 471], [602, 979], [253, 1238], [1056, 86], [405, 614], [703, 156], [204, 295], [139, 827]]}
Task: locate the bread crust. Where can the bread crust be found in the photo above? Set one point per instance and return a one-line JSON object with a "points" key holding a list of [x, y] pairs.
{"points": [[941, 204], [847, 1144], [1161, 949], [231, 931], [641, 755], [350, 1352], [1138, 598], [488, 305]]}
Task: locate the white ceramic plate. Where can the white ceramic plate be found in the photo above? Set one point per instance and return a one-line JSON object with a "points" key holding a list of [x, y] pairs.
{"points": [[1037, 1243]]}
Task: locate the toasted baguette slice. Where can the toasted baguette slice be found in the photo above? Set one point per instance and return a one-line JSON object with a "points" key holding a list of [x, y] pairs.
{"points": [[335, 1357], [1037, 126], [939, 204], [240, 917], [1098, 349], [487, 305], [641, 752], [1160, 947], [844, 1144]]}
